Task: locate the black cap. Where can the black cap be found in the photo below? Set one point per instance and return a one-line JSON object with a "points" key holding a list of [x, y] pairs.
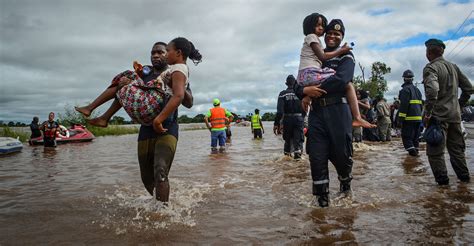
{"points": [[408, 74], [290, 80], [335, 24], [435, 42]]}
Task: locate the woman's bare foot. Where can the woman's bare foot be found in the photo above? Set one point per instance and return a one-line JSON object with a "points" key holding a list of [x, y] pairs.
{"points": [[361, 122], [98, 122], [83, 110]]}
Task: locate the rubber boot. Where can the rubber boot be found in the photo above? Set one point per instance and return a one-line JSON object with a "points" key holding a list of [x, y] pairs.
{"points": [[323, 200], [297, 156], [345, 187]]}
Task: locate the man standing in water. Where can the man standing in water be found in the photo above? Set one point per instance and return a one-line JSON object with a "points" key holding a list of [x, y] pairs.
{"points": [[329, 135], [383, 119], [442, 80], [35, 128], [219, 119], [409, 113], [156, 151], [290, 117], [49, 128], [256, 125]]}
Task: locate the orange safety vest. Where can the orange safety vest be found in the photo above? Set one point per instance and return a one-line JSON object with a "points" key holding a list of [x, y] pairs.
{"points": [[218, 118]]}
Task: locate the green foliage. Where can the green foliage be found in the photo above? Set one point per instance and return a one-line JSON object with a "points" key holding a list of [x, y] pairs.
{"points": [[113, 130], [71, 116], [376, 85], [117, 120], [8, 132], [268, 116], [184, 119]]}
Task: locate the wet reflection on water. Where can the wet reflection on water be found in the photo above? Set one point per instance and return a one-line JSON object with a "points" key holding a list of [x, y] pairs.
{"points": [[91, 193]]}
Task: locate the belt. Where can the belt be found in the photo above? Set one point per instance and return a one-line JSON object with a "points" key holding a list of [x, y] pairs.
{"points": [[295, 114], [323, 102]]}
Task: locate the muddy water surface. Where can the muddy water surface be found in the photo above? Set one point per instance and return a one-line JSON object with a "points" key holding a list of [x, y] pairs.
{"points": [[91, 193]]}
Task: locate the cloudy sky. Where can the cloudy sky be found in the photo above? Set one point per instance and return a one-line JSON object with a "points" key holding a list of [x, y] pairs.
{"points": [[56, 54]]}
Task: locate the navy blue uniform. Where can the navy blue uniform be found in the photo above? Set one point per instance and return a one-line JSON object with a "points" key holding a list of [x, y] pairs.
{"points": [[329, 135], [291, 115], [409, 115]]}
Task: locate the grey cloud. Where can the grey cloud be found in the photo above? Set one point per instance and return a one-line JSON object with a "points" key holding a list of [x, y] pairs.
{"points": [[57, 53]]}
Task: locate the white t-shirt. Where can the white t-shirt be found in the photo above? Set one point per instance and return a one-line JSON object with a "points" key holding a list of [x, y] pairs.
{"points": [[307, 57], [164, 80]]}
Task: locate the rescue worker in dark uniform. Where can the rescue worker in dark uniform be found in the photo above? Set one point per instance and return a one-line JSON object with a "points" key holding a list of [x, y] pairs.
{"points": [[409, 113], [290, 118], [49, 128], [442, 80], [35, 128], [329, 135]]}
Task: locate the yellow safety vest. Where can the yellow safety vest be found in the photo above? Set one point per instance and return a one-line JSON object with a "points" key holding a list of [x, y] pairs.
{"points": [[256, 121]]}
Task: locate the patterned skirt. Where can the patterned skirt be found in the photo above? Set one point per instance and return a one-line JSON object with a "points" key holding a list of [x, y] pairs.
{"points": [[313, 76], [142, 101]]}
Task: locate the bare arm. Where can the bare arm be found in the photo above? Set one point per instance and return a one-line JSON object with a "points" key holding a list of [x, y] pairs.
{"points": [[324, 56], [364, 105], [188, 98], [178, 80], [206, 120]]}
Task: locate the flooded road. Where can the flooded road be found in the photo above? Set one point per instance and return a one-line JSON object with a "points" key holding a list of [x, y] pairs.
{"points": [[91, 193]]}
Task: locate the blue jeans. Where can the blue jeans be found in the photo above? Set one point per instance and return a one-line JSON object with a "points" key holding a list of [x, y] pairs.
{"points": [[218, 135]]}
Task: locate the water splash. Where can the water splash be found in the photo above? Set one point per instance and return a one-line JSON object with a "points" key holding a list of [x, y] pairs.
{"points": [[126, 209]]}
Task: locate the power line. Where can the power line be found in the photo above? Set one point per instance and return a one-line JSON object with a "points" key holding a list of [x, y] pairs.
{"points": [[459, 28], [468, 43], [462, 39]]}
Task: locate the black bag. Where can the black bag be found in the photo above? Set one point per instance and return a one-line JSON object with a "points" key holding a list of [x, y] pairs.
{"points": [[433, 135]]}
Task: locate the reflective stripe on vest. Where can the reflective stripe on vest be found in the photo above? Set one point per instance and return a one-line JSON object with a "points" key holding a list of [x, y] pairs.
{"points": [[403, 115], [218, 118], [413, 118], [415, 102], [255, 121]]}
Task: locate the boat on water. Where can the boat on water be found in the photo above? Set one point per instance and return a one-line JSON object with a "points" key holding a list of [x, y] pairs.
{"points": [[77, 133], [10, 145]]}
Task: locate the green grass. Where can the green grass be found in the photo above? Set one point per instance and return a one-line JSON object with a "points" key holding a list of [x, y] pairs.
{"points": [[112, 130], [8, 132]]}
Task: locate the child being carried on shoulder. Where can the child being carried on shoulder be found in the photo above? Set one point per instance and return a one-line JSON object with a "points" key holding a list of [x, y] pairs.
{"points": [[312, 56]]}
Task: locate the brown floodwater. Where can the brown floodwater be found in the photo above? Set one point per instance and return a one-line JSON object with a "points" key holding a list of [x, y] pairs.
{"points": [[91, 193]]}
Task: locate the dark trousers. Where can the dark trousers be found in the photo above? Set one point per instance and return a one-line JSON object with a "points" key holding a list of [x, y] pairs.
{"points": [[257, 133], [454, 142], [410, 135], [329, 137], [155, 156], [49, 142], [293, 133]]}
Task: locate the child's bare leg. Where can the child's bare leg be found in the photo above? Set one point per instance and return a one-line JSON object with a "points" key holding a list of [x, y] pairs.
{"points": [[103, 120], [354, 105], [108, 94]]}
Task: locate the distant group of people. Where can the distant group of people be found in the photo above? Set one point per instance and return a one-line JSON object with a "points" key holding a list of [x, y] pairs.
{"points": [[322, 90]]}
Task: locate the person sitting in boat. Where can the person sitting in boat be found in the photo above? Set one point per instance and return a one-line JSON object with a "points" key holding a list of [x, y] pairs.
{"points": [[35, 128], [142, 101], [49, 128]]}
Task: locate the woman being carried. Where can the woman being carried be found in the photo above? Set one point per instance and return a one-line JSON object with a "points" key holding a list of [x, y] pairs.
{"points": [[142, 101]]}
